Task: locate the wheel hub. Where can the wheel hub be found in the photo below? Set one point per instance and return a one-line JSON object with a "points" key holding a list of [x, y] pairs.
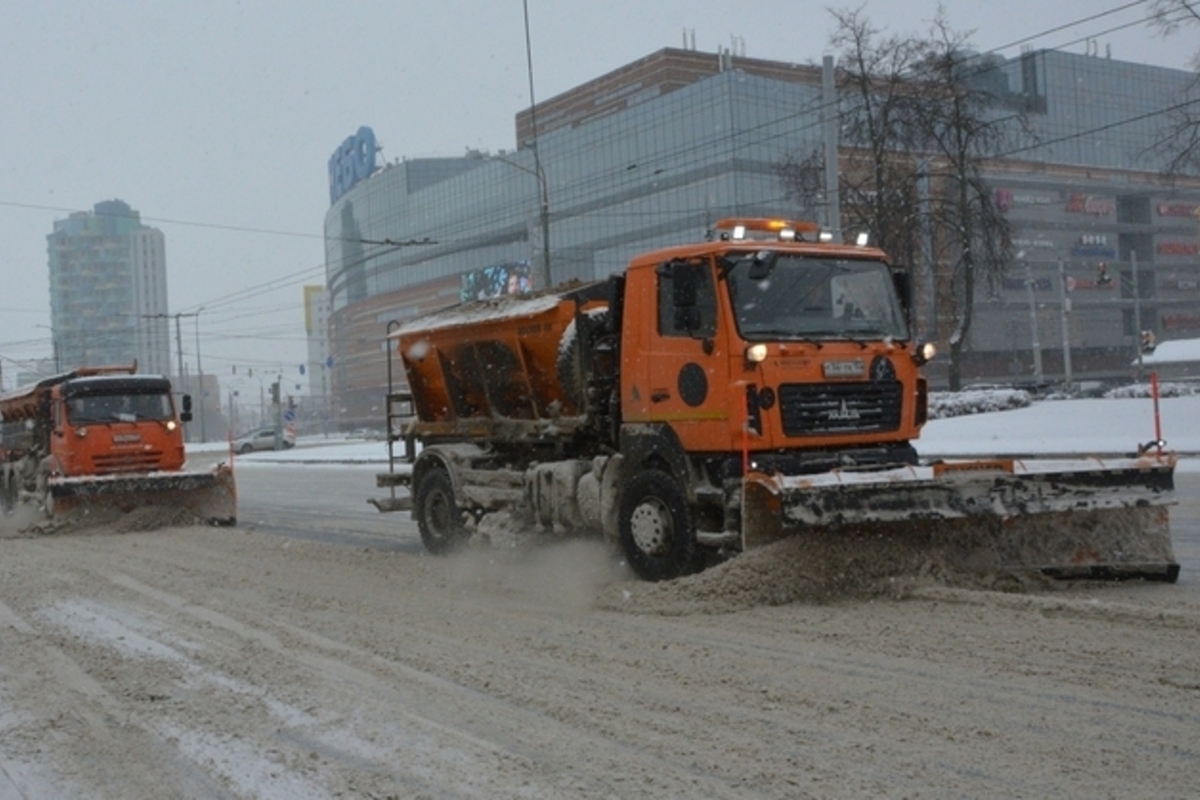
{"points": [[652, 527]]}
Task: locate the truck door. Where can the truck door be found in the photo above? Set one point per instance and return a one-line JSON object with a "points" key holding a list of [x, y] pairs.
{"points": [[687, 366]]}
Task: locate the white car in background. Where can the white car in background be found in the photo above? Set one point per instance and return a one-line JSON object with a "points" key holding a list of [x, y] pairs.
{"points": [[262, 439]]}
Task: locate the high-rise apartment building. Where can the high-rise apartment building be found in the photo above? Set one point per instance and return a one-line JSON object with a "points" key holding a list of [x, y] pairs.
{"points": [[108, 290]]}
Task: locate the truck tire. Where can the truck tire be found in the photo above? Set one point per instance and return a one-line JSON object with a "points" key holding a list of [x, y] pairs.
{"points": [[438, 517], [576, 339], [656, 530]]}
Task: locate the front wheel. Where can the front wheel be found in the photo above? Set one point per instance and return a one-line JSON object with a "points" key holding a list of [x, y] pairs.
{"points": [[656, 529], [438, 517]]}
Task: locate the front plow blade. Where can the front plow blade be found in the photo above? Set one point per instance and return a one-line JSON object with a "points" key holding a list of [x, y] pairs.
{"points": [[1066, 519], [209, 496]]}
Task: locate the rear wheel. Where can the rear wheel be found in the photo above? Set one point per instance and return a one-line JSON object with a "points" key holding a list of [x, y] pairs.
{"points": [[438, 517], [656, 530]]}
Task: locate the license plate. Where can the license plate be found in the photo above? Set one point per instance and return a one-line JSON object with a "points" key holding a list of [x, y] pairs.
{"points": [[843, 369]]}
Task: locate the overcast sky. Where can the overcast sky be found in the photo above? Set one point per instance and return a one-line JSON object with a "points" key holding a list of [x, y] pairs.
{"points": [[216, 119]]}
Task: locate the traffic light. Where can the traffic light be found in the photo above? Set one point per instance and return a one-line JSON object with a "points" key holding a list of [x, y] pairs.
{"points": [[275, 392]]}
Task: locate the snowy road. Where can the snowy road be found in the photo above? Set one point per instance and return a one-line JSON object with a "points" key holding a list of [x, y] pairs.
{"points": [[257, 662]]}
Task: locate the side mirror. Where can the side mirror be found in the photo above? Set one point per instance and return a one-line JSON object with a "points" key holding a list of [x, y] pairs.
{"points": [[186, 415]]}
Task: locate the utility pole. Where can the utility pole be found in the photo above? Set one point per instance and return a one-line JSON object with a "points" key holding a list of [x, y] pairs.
{"points": [[1033, 326], [537, 159], [179, 355], [1066, 324], [1137, 312], [178, 344], [200, 377], [829, 116]]}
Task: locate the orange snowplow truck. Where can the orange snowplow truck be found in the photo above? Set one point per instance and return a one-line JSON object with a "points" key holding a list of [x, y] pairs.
{"points": [[104, 437], [718, 396]]}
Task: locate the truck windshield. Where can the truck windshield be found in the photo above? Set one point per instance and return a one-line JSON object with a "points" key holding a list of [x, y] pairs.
{"points": [[97, 408], [781, 296]]}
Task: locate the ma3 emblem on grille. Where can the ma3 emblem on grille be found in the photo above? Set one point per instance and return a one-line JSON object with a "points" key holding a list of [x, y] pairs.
{"points": [[844, 412], [843, 369]]}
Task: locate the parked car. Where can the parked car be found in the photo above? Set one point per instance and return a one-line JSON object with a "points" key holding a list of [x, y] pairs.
{"points": [[263, 439]]}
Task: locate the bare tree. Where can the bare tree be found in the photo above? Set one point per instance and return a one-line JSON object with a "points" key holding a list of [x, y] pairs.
{"points": [[915, 109], [803, 179], [877, 173], [961, 122], [1178, 141], [1172, 16]]}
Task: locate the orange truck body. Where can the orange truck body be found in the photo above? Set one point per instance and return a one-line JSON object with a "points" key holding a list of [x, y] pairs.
{"points": [[103, 435], [709, 398]]}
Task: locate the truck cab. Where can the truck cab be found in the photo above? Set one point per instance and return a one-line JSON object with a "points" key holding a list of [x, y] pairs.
{"points": [[795, 352], [112, 423]]}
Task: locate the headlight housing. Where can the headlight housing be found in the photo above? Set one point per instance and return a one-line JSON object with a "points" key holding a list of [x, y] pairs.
{"points": [[923, 353], [756, 353]]}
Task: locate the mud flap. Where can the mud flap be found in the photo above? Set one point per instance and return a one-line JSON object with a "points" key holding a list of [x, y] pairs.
{"points": [[209, 496], [762, 512], [1083, 519]]}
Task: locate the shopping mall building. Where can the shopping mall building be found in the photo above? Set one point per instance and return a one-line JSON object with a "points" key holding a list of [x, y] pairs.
{"points": [[655, 152]]}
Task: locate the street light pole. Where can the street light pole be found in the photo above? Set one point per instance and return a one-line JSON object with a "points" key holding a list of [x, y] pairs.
{"points": [[537, 159], [179, 355], [200, 377], [544, 208], [1033, 326], [1138, 342], [1066, 324], [178, 344]]}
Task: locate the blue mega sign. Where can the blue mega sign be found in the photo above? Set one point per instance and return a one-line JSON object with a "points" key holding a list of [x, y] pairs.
{"points": [[351, 162]]}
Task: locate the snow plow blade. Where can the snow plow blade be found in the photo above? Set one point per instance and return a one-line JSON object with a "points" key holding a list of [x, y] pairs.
{"points": [[209, 496], [1080, 518]]}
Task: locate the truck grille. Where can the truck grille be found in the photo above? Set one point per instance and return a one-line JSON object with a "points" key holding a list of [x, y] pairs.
{"points": [[141, 461], [810, 409]]}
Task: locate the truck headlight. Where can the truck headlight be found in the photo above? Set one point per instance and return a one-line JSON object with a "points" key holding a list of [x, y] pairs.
{"points": [[756, 353], [924, 353]]}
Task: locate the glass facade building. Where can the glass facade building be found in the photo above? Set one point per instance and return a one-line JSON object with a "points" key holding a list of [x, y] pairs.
{"points": [[655, 152]]}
